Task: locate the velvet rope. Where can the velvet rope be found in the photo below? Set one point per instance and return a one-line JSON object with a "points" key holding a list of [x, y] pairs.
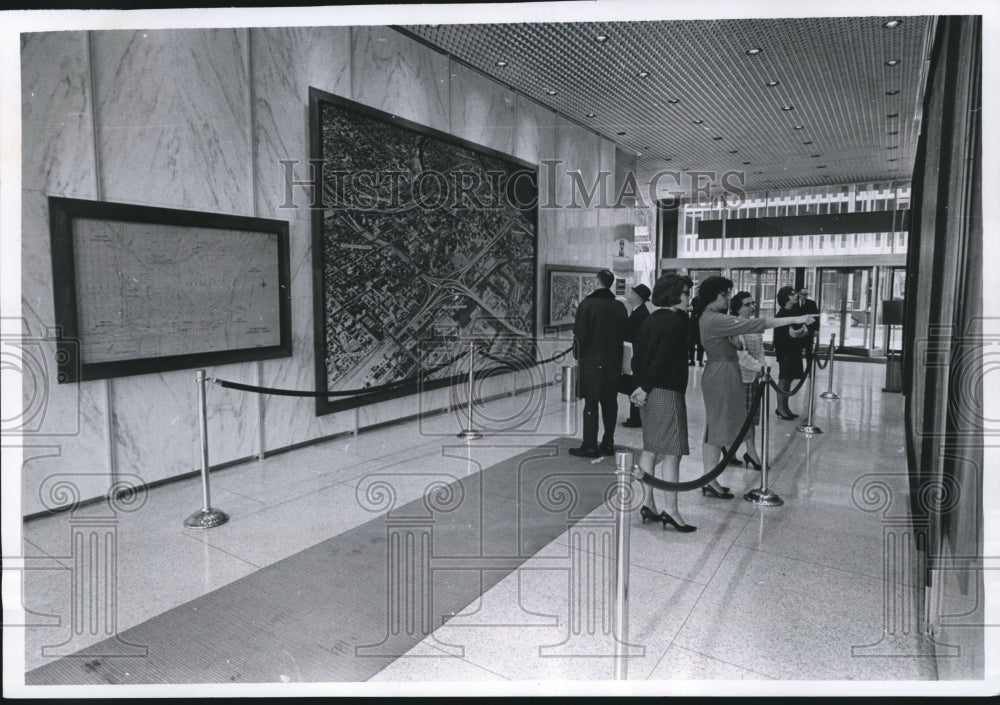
{"points": [[723, 464]]}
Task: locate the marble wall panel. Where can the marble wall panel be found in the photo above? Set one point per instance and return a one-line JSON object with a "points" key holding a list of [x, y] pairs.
{"points": [[397, 75], [535, 134], [285, 63], [173, 116], [482, 110], [56, 121], [155, 425], [63, 426]]}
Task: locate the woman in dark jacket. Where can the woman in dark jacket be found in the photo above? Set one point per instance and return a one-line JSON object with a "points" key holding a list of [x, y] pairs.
{"points": [[788, 347], [658, 366]]}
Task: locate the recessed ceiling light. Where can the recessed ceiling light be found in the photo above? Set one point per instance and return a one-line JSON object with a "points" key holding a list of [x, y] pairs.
{"points": [[642, 74], [674, 101], [501, 63], [892, 92], [893, 147], [668, 159], [813, 156], [622, 133], [771, 84], [892, 132], [717, 138], [892, 62], [591, 114], [799, 127], [601, 37], [697, 122], [808, 142], [753, 52], [746, 163], [893, 160], [734, 151], [821, 166], [551, 92], [892, 115], [787, 107], [892, 23]]}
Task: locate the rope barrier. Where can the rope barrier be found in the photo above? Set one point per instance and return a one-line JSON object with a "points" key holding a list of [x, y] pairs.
{"points": [[791, 392], [368, 391], [723, 464]]}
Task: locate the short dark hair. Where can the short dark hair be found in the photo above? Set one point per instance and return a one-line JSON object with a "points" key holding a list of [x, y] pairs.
{"points": [[606, 278], [736, 303], [784, 294], [668, 289], [714, 285]]}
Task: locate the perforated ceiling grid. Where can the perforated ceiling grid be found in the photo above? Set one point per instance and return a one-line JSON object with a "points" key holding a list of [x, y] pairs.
{"points": [[837, 114]]}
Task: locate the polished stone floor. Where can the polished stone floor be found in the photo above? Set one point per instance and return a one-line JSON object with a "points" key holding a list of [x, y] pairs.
{"points": [[758, 600]]}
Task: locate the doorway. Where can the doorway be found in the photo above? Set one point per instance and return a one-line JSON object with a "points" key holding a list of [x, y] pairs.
{"points": [[845, 304]]}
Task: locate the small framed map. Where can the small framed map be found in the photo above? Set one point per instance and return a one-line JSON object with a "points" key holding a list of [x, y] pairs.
{"points": [[140, 289], [566, 288]]}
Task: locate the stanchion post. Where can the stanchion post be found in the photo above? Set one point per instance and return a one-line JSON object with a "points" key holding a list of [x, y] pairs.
{"points": [[829, 393], [622, 557], [808, 427], [206, 517], [764, 496], [471, 433]]}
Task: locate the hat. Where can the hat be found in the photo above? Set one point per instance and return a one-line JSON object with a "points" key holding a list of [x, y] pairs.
{"points": [[643, 291]]}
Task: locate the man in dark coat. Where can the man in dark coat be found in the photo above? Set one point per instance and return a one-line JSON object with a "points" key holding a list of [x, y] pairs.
{"points": [[807, 305], [639, 314], [598, 337]]}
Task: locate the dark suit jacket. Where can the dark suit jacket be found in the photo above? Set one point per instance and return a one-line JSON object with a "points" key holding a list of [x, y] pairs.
{"points": [[598, 335]]}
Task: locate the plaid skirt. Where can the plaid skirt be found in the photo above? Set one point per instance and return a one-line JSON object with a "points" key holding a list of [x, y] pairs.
{"points": [[664, 422], [748, 389]]}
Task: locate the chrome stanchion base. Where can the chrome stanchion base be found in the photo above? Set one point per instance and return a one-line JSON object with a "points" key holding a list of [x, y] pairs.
{"points": [[809, 430], [763, 497], [206, 519], [830, 395], [469, 434]]}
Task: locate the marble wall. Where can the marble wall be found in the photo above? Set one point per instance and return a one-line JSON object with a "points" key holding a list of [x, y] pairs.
{"points": [[206, 119]]}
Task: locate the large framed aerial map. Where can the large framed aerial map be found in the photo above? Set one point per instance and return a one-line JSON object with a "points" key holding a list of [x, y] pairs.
{"points": [[140, 289], [422, 243]]}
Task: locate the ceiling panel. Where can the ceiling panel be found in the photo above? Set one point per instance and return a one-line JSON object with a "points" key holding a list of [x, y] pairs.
{"points": [[837, 114]]}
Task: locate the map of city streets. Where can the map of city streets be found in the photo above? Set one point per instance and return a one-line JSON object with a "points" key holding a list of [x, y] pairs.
{"points": [[423, 244]]}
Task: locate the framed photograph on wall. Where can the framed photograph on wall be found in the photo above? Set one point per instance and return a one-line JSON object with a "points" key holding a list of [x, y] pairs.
{"points": [[422, 242], [565, 288], [140, 289]]}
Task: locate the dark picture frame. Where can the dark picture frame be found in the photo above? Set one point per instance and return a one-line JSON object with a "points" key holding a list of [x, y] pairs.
{"points": [[142, 289], [565, 287], [421, 242]]}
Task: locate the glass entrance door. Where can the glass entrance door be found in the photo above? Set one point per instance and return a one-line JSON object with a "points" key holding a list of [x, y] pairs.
{"points": [[845, 304]]}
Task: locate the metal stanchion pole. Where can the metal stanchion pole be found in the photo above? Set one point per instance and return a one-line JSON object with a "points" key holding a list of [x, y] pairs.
{"points": [[207, 517], [764, 496], [808, 426], [624, 461], [471, 433], [829, 393]]}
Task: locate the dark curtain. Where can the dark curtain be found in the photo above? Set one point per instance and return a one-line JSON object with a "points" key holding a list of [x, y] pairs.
{"points": [[943, 363]]}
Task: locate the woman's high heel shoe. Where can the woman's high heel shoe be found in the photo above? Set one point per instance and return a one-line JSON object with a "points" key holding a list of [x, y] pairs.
{"points": [[683, 528], [648, 514], [709, 491], [786, 417], [751, 463]]}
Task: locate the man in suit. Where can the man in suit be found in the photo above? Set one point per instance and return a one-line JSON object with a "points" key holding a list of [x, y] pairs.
{"points": [[598, 336], [803, 306], [640, 313]]}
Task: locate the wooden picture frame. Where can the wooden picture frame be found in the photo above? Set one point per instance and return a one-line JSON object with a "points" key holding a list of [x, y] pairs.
{"points": [[140, 289]]}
